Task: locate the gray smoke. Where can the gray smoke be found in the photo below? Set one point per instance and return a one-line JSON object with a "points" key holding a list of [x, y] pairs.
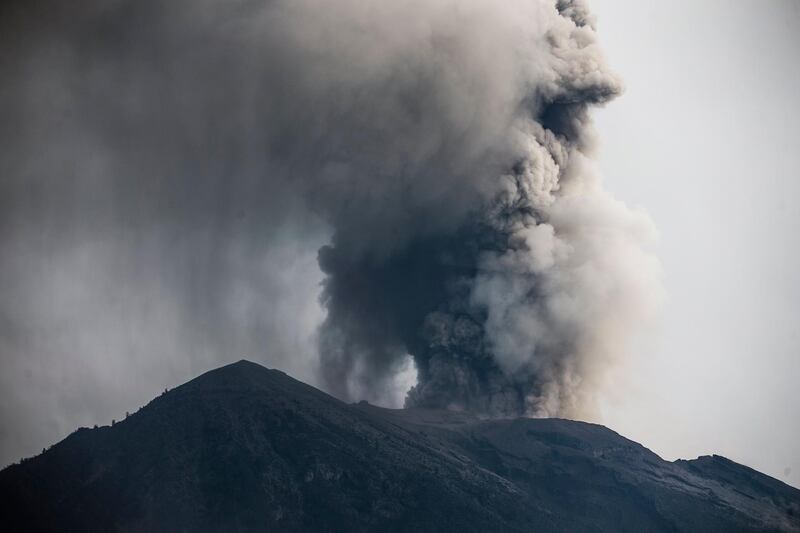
{"points": [[484, 246], [170, 170]]}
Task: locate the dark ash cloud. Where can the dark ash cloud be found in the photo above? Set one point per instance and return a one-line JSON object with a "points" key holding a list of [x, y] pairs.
{"points": [[177, 169], [515, 286]]}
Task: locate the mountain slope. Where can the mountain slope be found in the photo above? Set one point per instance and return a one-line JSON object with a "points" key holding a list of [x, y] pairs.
{"points": [[244, 448]]}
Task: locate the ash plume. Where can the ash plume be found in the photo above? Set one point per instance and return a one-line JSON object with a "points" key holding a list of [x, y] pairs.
{"points": [[507, 273], [172, 168]]}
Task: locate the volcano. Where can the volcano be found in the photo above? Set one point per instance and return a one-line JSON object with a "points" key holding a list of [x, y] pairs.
{"points": [[246, 448]]}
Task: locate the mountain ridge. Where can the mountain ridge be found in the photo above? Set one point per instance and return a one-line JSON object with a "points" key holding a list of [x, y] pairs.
{"points": [[246, 448]]}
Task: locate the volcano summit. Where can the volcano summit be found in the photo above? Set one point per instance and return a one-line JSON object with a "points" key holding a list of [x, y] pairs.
{"points": [[245, 448]]}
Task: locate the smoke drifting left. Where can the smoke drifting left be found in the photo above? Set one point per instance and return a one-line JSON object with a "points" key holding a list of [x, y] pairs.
{"points": [[174, 167]]}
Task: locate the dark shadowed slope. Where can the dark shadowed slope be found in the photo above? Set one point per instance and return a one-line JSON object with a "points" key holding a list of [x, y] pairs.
{"points": [[244, 448]]}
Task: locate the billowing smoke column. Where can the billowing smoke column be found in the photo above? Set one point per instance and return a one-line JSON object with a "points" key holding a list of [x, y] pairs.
{"points": [[500, 266], [171, 168]]}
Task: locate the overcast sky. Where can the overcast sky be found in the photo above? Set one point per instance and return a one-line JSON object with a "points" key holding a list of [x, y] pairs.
{"points": [[707, 139]]}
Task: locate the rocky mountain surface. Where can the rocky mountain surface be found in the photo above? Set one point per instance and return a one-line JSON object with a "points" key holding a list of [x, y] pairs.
{"points": [[244, 448]]}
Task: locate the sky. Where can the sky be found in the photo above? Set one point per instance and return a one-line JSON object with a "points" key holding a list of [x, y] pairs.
{"points": [[142, 246], [707, 139]]}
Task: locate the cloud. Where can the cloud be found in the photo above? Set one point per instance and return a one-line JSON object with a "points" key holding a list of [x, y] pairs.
{"points": [[184, 175]]}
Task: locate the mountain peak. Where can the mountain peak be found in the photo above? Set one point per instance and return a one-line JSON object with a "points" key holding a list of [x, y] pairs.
{"points": [[238, 368], [242, 363], [242, 374], [247, 448]]}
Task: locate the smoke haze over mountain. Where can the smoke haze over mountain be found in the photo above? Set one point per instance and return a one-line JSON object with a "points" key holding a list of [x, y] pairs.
{"points": [[181, 176]]}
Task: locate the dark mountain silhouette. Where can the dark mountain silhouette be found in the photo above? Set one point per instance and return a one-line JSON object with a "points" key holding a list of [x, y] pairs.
{"points": [[244, 448]]}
